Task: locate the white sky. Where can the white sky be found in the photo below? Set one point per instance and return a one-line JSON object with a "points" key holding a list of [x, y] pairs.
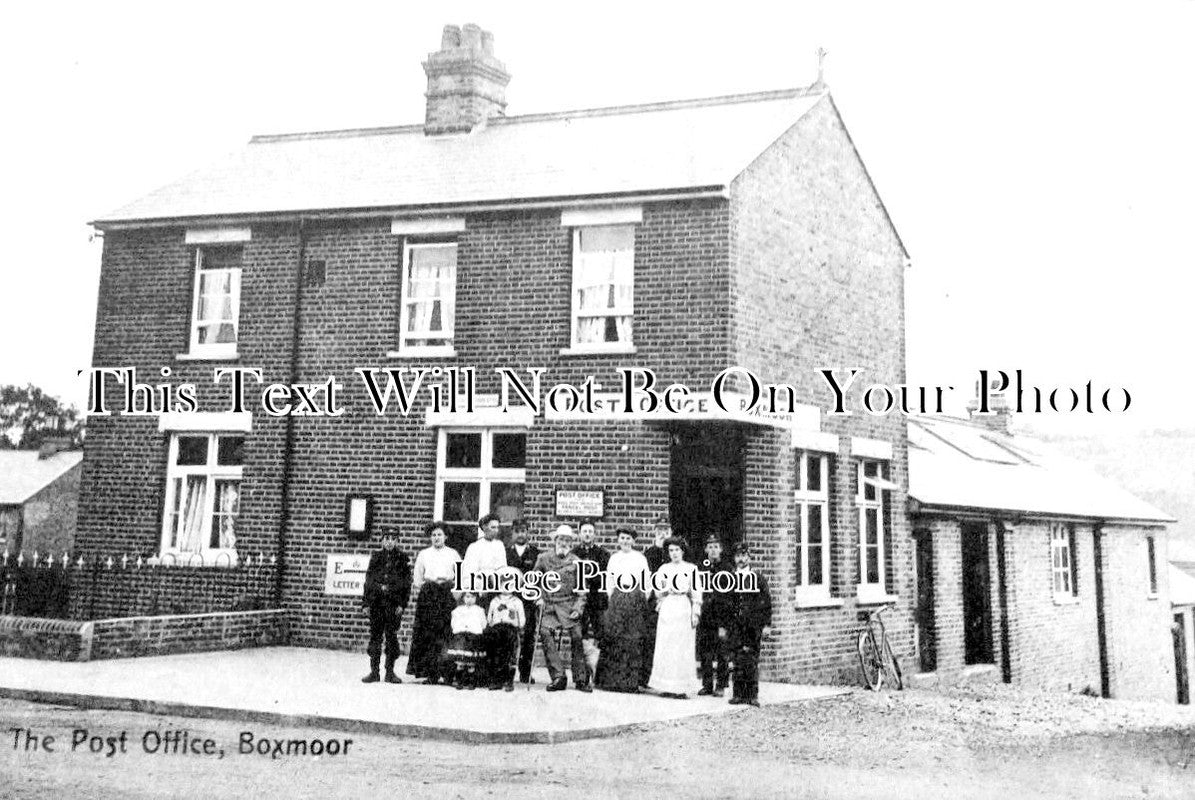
{"points": [[1037, 157]]}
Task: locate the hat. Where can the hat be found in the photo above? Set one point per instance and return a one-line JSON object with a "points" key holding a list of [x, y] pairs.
{"points": [[563, 531], [713, 539], [389, 533], [662, 520]]}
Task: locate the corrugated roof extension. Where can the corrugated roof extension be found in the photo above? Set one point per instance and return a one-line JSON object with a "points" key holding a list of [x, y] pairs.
{"points": [[955, 464], [675, 147]]}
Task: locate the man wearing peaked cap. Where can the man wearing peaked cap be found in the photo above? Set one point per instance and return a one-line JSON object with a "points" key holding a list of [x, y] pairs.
{"points": [[387, 586]]}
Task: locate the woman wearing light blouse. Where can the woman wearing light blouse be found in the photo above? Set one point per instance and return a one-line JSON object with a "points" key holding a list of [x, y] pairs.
{"points": [[674, 672], [435, 572], [624, 625]]}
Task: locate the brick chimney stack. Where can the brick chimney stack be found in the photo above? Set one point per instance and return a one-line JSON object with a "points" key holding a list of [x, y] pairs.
{"points": [[998, 418], [466, 85]]}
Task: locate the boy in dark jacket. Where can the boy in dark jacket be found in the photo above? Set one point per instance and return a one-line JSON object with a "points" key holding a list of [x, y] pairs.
{"points": [[387, 586]]}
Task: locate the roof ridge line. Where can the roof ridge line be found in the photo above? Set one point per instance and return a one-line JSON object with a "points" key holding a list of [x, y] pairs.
{"points": [[600, 111]]}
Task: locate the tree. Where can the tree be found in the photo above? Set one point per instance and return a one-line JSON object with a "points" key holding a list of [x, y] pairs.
{"points": [[28, 416]]}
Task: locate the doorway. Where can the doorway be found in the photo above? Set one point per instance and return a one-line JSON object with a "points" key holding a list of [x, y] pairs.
{"points": [[706, 485], [1179, 631], [927, 644], [977, 594]]}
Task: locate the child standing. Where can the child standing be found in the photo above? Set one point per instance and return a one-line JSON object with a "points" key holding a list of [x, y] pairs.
{"points": [[506, 620], [465, 650]]}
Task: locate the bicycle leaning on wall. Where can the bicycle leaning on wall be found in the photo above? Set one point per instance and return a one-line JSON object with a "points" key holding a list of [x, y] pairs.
{"points": [[877, 663]]}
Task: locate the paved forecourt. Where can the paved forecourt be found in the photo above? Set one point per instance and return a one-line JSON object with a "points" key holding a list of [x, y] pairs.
{"points": [[322, 688]]}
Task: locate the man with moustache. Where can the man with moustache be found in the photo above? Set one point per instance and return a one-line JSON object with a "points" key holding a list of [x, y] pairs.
{"points": [[522, 555]]}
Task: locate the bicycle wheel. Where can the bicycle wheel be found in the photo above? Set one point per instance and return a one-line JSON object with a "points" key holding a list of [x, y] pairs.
{"points": [[892, 666], [870, 665]]}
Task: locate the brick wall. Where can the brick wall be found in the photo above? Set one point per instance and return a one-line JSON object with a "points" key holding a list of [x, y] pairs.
{"points": [[1053, 642], [1140, 648], [818, 283], [192, 633]]}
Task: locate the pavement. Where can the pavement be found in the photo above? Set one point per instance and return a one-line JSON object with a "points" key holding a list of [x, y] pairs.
{"points": [[305, 687]]}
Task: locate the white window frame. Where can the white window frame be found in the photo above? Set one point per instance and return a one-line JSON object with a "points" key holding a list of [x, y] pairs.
{"points": [[806, 499], [866, 590], [575, 313], [486, 475], [215, 349], [210, 556], [1062, 563], [448, 333]]}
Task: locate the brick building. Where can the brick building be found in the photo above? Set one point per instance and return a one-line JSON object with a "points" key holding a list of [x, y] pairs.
{"points": [[683, 237], [1032, 570]]}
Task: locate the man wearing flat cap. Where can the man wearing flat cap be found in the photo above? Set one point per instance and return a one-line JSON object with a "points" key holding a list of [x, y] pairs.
{"points": [[716, 608], [561, 610], [748, 623], [387, 586]]}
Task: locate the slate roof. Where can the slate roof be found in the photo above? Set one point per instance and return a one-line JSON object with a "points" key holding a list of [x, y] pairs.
{"points": [[956, 463], [681, 146], [23, 474]]}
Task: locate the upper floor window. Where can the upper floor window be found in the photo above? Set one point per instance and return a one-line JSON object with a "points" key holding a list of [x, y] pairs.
{"points": [[216, 308], [870, 498], [428, 298], [813, 525], [1062, 561], [203, 497], [603, 287]]}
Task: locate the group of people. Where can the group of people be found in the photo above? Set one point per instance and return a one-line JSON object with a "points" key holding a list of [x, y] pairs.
{"points": [[646, 634]]}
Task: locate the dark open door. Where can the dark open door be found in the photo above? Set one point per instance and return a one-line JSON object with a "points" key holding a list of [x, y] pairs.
{"points": [[927, 645], [1183, 680], [977, 595], [706, 486]]}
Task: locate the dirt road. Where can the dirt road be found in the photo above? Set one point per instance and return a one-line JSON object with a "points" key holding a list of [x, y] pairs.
{"points": [[994, 743]]}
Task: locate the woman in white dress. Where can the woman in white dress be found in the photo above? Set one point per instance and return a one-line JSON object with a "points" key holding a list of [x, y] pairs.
{"points": [[674, 669]]}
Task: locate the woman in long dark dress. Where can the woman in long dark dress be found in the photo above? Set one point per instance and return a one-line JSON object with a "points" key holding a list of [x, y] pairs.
{"points": [[435, 571], [624, 624]]}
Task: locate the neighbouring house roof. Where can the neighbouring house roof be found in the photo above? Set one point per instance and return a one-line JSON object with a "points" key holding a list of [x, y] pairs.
{"points": [[1182, 585], [23, 474], [609, 152], [959, 464]]}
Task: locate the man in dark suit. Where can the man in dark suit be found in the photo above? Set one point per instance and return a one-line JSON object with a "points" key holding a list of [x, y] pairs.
{"points": [[522, 555], [589, 550], [716, 608], [655, 556], [387, 587], [749, 622]]}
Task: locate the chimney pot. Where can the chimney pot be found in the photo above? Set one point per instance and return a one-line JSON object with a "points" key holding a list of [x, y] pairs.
{"points": [[471, 37]]}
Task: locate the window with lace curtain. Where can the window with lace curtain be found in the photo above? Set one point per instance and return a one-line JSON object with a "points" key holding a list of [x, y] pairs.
{"points": [[203, 497], [428, 298], [216, 307], [603, 287]]}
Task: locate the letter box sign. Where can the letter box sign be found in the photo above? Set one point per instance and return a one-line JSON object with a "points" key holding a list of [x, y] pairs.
{"points": [[346, 574], [571, 503]]}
